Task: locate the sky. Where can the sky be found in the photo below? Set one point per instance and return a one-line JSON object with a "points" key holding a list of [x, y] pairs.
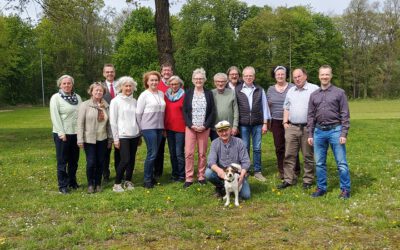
{"points": [[329, 7]]}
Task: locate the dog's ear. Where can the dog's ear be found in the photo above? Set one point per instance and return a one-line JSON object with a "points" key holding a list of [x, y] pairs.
{"points": [[237, 167]]}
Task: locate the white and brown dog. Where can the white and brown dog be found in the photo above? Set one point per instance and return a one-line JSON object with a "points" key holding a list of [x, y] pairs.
{"points": [[231, 180]]}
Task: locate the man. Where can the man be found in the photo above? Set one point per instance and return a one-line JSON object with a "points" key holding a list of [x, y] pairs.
{"points": [[166, 73], [224, 151], [253, 116], [111, 92], [295, 110], [225, 104], [234, 77], [328, 124]]}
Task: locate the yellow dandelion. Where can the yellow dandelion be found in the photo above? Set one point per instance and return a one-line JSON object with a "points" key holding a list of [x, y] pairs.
{"points": [[198, 189], [279, 193], [218, 231]]}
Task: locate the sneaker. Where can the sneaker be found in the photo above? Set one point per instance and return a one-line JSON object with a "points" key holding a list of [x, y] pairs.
{"points": [[98, 189], [259, 176], [128, 185], [284, 185], [345, 194], [307, 185], [187, 184], [90, 189], [202, 182], [118, 188], [64, 190], [148, 185], [318, 193]]}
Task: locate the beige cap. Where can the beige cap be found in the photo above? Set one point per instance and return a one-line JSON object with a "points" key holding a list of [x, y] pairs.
{"points": [[222, 125]]}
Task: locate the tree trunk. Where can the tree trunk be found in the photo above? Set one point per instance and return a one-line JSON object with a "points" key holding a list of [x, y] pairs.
{"points": [[164, 38]]}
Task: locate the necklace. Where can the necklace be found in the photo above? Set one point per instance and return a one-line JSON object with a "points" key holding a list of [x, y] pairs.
{"points": [[157, 98], [280, 88]]}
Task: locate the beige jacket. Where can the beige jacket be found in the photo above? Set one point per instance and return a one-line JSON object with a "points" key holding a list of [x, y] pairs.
{"points": [[87, 122]]}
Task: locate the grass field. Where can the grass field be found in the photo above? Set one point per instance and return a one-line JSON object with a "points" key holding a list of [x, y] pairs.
{"points": [[33, 215]]}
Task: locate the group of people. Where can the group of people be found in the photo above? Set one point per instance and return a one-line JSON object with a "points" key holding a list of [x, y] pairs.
{"points": [[234, 115]]}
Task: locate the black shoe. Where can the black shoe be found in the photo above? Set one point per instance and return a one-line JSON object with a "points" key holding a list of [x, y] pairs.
{"points": [[219, 192], [154, 181], [74, 186], [307, 185], [318, 193], [284, 185], [106, 179], [187, 184], [63, 190], [148, 185], [202, 182]]}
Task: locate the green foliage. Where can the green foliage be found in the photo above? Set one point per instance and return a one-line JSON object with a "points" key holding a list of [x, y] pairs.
{"points": [[136, 47], [33, 215], [206, 35], [289, 35]]}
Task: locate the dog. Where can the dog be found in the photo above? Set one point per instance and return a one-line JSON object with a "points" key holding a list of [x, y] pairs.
{"points": [[231, 182]]}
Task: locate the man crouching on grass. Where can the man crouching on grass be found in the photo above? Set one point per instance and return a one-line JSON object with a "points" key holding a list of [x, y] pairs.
{"points": [[224, 151]]}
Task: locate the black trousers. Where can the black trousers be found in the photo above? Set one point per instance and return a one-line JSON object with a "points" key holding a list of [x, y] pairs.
{"points": [[67, 154], [127, 149]]}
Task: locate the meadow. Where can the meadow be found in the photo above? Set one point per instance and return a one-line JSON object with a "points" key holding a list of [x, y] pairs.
{"points": [[33, 215]]}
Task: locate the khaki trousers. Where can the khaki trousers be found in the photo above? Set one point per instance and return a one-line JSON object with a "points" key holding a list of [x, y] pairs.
{"points": [[296, 140]]}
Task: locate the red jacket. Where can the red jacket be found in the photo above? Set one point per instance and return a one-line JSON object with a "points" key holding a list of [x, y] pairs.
{"points": [[173, 119]]}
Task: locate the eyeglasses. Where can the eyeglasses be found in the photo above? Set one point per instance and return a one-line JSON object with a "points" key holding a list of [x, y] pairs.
{"points": [[198, 79], [233, 74]]}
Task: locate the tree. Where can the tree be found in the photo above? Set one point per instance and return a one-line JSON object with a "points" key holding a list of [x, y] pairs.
{"points": [[206, 35], [136, 50], [289, 36]]}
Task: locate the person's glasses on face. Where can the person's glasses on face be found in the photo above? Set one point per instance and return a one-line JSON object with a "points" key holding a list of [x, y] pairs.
{"points": [[198, 79]]}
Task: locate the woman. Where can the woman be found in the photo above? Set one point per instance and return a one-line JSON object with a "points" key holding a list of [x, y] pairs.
{"points": [[175, 127], [150, 117], [64, 114], [94, 134], [276, 95], [199, 113], [125, 130]]}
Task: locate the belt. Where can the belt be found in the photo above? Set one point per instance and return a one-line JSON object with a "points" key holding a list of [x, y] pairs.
{"points": [[327, 127], [300, 125]]}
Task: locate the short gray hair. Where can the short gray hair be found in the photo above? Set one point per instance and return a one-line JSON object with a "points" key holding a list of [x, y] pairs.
{"points": [[125, 80], [175, 78], [199, 71], [253, 71], [220, 75], [62, 78]]}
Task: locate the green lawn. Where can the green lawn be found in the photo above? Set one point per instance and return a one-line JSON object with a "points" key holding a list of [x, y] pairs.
{"points": [[33, 215]]}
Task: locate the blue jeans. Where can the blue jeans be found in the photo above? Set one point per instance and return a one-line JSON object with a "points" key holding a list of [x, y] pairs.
{"points": [[255, 132], [95, 160], [212, 177], [176, 145], [67, 154], [322, 140], [152, 137]]}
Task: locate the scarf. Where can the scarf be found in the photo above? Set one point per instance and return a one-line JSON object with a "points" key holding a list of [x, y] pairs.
{"points": [[174, 97], [71, 99]]}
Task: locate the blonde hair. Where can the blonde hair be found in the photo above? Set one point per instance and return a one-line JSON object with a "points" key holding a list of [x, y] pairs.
{"points": [[96, 84]]}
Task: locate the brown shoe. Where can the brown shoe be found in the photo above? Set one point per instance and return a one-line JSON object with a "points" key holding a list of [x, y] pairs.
{"points": [[90, 190], [98, 189]]}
